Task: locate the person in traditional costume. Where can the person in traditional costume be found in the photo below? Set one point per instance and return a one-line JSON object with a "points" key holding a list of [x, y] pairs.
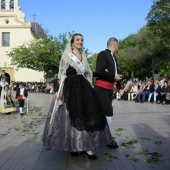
{"points": [[21, 96], [3, 82], [107, 75], [7, 104], [78, 123]]}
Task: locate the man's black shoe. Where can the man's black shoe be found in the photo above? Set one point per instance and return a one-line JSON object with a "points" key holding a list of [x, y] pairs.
{"points": [[142, 101], [113, 145], [22, 114]]}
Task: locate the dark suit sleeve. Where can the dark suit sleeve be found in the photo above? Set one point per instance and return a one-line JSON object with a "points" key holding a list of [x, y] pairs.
{"points": [[101, 65]]}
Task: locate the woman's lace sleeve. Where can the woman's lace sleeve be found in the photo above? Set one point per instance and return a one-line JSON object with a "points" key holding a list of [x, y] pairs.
{"points": [[64, 64]]}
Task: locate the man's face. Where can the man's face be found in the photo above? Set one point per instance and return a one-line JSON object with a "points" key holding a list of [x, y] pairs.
{"points": [[20, 86], [2, 72], [116, 47]]}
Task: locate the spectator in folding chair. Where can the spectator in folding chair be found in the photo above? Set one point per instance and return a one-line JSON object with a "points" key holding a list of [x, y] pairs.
{"points": [[155, 92], [133, 91]]}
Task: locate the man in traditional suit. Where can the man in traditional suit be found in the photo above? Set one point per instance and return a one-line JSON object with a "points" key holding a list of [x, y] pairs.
{"points": [[107, 75], [21, 96]]}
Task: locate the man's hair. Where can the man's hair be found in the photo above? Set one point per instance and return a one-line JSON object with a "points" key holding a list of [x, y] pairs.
{"points": [[21, 84], [112, 41]]}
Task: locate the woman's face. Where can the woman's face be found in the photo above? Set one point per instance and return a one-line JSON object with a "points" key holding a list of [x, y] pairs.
{"points": [[78, 42]]}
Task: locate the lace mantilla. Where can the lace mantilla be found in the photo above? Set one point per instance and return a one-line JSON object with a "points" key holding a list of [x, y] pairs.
{"points": [[66, 61]]}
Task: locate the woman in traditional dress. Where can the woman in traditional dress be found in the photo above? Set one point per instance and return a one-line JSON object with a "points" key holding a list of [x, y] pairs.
{"points": [[7, 104], [79, 123], [3, 83]]}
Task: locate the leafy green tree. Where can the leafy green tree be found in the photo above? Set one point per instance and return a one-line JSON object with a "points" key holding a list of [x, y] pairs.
{"points": [[127, 56], [142, 53], [40, 54], [158, 20], [149, 49], [154, 51], [92, 61]]}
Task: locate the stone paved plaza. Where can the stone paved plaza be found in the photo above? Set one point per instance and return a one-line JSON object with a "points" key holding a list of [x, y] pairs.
{"points": [[141, 130]]}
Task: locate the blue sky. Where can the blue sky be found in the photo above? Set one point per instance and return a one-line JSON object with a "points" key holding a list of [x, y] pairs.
{"points": [[96, 20]]}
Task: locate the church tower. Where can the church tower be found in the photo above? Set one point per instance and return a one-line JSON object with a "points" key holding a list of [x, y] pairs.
{"points": [[14, 31], [10, 8]]}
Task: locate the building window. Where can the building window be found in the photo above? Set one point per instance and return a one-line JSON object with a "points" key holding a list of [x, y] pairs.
{"points": [[12, 5], [3, 5], [6, 39]]}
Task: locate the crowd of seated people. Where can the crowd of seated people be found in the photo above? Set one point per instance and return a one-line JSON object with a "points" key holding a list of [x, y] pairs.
{"points": [[149, 91]]}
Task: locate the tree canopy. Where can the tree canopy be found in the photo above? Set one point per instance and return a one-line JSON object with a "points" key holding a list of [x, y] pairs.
{"points": [[40, 54], [92, 61], [158, 20], [148, 51]]}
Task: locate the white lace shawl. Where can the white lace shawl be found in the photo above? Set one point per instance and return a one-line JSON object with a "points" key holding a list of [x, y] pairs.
{"points": [[66, 61]]}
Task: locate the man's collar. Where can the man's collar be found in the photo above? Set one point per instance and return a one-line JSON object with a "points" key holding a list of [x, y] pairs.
{"points": [[109, 51]]}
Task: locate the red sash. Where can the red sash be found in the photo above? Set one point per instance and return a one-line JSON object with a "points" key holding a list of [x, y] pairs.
{"points": [[104, 84], [20, 97]]}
